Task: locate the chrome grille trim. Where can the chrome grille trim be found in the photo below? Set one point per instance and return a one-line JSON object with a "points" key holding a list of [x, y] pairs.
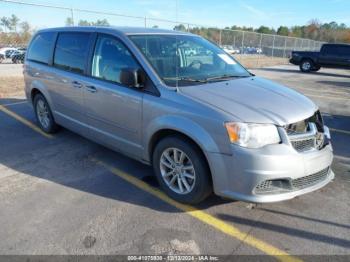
{"points": [[304, 144], [306, 141]]}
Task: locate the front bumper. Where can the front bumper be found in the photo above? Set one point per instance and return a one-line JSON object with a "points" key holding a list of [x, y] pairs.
{"points": [[237, 176]]}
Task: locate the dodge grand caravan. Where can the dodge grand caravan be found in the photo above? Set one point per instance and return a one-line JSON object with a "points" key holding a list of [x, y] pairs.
{"points": [[202, 121]]}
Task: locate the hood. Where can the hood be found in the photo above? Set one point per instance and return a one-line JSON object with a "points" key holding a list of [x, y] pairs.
{"points": [[254, 100]]}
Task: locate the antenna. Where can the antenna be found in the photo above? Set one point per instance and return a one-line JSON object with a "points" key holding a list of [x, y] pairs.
{"points": [[176, 47]]}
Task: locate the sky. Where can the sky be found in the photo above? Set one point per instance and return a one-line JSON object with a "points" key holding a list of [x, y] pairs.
{"points": [[215, 13]]}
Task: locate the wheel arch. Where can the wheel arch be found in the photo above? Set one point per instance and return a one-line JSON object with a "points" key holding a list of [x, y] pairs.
{"points": [[177, 125], [37, 87], [308, 58]]}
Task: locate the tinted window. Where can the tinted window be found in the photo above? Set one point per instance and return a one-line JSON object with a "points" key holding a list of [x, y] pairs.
{"points": [[71, 51], [344, 50], [41, 48], [110, 57], [330, 49]]}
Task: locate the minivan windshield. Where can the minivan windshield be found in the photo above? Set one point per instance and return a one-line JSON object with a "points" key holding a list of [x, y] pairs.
{"points": [[187, 59]]}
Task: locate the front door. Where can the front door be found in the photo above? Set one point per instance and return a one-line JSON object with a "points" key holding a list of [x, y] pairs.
{"points": [[114, 111]]}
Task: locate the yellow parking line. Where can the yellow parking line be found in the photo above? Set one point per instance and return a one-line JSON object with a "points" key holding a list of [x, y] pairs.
{"points": [[24, 121], [202, 216], [340, 131]]}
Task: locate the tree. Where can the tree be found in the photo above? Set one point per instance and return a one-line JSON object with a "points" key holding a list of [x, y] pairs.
{"points": [[180, 27], [69, 21], [84, 23], [5, 23], [297, 31], [26, 32], [283, 30], [102, 22], [265, 30], [14, 20]]}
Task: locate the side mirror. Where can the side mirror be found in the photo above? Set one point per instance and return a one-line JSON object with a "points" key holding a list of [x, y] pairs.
{"points": [[132, 77]]}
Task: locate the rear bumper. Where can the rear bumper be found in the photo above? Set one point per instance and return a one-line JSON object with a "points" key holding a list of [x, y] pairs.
{"points": [[238, 176], [294, 61]]}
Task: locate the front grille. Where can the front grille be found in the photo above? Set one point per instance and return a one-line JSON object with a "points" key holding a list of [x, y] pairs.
{"points": [[310, 180], [307, 134], [304, 144], [288, 185]]}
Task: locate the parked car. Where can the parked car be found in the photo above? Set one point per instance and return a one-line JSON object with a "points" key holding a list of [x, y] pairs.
{"points": [[251, 50], [206, 125], [5, 52], [17, 57], [230, 49], [330, 55], [17, 52], [9, 52]]}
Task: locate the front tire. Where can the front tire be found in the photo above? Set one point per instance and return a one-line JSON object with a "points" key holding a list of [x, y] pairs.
{"points": [[44, 115], [182, 170]]}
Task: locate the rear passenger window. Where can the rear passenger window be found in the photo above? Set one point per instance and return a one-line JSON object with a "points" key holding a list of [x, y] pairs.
{"points": [[41, 48], [71, 51]]}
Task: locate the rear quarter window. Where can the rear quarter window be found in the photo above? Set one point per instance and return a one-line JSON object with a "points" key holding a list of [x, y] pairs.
{"points": [[40, 49], [71, 51]]}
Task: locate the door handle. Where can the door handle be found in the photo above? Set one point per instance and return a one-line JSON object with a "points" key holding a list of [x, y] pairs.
{"points": [[91, 89], [77, 84]]}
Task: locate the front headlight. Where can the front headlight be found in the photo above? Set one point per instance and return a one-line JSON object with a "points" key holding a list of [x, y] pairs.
{"points": [[252, 135]]}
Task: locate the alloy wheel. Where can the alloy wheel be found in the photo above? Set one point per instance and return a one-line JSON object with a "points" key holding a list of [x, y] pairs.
{"points": [[177, 171]]}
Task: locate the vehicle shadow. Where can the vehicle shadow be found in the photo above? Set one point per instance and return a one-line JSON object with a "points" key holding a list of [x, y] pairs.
{"points": [[346, 226], [282, 70], [9, 101], [313, 236], [335, 83]]}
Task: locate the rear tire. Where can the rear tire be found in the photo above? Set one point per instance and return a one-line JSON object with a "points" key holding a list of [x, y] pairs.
{"points": [[44, 115], [306, 65], [178, 180]]}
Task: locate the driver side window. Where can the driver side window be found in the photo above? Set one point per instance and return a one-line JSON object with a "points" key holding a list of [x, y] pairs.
{"points": [[110, 57]]}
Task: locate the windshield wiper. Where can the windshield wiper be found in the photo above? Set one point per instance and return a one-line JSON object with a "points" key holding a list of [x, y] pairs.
{"points": [[188, 79], [223, 77]]}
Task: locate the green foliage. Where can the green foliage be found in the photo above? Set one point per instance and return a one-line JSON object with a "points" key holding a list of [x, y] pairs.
{"points": [[265, 30], [180, 27], [103, 22], [283, 30]]}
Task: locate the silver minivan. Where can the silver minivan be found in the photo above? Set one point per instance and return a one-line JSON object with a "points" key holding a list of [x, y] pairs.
{"points": [[200, 119]]}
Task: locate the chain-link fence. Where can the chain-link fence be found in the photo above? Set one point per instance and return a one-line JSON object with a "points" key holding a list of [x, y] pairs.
{"points": [[251, 48]]}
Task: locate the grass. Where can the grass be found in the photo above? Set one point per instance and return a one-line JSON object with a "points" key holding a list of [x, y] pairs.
{"points": [[11, 86], [258, 61]]}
